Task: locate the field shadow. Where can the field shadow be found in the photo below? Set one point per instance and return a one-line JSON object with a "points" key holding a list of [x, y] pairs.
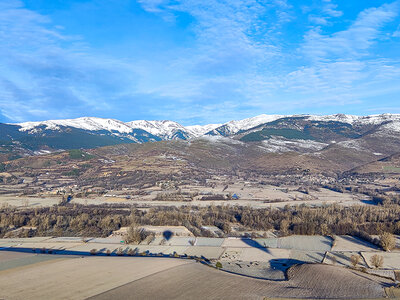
{"points": [[283, 264], [369, 202], [364, 276], [255, 244], [316, 257], [329, 243], [359, 241]]}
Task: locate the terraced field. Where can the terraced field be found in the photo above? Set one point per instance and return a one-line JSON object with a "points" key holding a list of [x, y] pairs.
{"points": [[194, 281], [70, 272]]}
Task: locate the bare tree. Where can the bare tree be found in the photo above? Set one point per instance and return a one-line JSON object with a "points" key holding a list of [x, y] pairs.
{"points": [[388, 241]]}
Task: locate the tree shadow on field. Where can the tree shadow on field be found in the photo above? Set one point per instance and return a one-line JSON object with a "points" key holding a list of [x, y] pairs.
{"points": [[369, 202], [359, 241], [283, 264], [255, 244], [316, 256], [328, 242], [102, 250]]}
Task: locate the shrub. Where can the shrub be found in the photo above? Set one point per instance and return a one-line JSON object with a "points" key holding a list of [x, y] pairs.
{"points": [[355, 259], [218, 265], [377, 261], [79, 154]]}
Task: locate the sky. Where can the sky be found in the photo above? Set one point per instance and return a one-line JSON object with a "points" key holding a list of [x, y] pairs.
{"points": [[197, 62]]}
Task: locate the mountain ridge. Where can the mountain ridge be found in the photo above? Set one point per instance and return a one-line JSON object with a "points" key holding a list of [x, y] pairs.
{"points": [[273, 133], [166, 128]]}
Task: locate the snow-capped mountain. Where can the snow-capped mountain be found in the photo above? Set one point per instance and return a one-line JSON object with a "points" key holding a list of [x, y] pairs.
{"points": [[357, 120], [235, 126], [272, 130], [86, 123], [199, 130], [167, 130]]}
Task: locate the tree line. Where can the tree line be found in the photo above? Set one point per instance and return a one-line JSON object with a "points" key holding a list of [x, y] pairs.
{"points": [[100, 221]]}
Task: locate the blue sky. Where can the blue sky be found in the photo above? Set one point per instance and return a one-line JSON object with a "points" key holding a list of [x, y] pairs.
{"points": [[197, 62]]}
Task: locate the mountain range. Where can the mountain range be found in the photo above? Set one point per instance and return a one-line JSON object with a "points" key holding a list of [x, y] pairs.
{"points": [[379, 134]]}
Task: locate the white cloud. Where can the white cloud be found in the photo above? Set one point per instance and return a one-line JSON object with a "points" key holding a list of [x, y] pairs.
{"points": [[319, 20], [235, 40], [354, 41], [337, 73], [45, 73], [239, 63], [330, 9], [397, 32], [341, 68]]}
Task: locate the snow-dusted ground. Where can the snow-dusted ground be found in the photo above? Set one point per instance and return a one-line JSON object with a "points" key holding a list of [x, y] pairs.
{"points": [[353, 144], [276, 144]]}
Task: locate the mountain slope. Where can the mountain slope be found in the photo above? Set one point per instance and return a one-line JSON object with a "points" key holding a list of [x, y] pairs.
{"points": [[233, 127], [323, 128], [56, 137]]}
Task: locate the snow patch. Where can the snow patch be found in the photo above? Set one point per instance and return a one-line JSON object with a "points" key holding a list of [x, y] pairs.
{"points": [[41, 152], [220, 139], [276, 144], [352, 144], [392, 126]]}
